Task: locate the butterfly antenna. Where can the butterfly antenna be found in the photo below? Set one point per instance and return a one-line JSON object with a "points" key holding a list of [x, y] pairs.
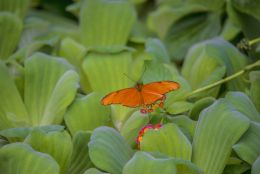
{"points": [[142, 73], [129, 78]]}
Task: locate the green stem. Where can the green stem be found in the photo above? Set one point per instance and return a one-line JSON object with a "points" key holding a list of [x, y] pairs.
{"points": [[248, 67], [254, 41]]}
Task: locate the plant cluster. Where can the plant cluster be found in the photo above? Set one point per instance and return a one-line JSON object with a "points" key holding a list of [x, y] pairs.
{"points": [[58, 59]]}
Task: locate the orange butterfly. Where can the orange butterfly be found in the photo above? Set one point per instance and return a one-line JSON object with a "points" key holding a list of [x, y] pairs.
{"points": [[141, 95]]}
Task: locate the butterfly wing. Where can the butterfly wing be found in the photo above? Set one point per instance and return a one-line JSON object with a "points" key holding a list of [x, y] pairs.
{"points": [[129, 97], [154, 91]]}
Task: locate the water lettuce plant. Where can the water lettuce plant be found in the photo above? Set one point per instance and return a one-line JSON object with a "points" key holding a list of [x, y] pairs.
{"points": [[58, 59]]}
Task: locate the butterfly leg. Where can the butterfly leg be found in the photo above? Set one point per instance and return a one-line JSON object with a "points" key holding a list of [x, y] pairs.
{"points": [[161, 104], [147, 109]]}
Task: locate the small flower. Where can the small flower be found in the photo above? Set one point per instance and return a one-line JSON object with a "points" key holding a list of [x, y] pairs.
{"points": [[141, 133]]}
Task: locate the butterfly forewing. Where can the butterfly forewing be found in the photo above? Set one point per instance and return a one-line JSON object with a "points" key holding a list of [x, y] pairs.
{"points": [[128, 97]]}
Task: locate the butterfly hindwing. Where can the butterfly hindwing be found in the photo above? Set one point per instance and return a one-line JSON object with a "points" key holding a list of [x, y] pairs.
{"points": [[154, 91]]}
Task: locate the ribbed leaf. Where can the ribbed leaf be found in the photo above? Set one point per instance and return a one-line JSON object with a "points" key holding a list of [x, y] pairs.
{"points": [[230, 30], [57, 144], [247, 147], [255, 88], [80, 160], [106, 22], [199, 57], [219, 51], [12, 110], [10, 30], [199, 106], [168, 140], [105, 72], [250, 7], [93, 171], [243, 104], [157, 49], [185, 124], [74, 52], [3, 142], [50, 86], [213, 5], [108, 150], [87, 113], [179, 107], [178, 95], [164, 16], [256, 166], [133, 125], [143, 163], [190, 30], [217, 130], [18, 7], [237, 168], [19, 158], [20, 133]]}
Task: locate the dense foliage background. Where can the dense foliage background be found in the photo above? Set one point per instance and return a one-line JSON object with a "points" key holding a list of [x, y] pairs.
{"points": [[58, 58]]}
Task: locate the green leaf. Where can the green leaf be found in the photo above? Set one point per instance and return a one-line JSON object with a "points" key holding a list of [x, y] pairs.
{"points": [[164, 16], [47, 79], [243, 104], [230, 30], [180, 94], [3, 143], [179, 107], [256, 166], [87, 113], [17, 7], [213, 5], [237, 168], [250, 7], [255, 88], [10, 29], [143, 163], [132, 127], [80, 160], [74, 52], [157, 49], [185, 124], [108, 150], [93, 171], [20, 158], [218, 129], [106, 23], [33, 28], [57, 144], [199, 106], [155, 71], [105, 72], [190, 30], [199, 57], [168, 140], [218, 52], [12, 110], [247, 148], [20, 133]]}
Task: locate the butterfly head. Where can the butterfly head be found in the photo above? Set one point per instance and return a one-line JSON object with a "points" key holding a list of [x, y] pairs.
{"points": [[139, 86]]}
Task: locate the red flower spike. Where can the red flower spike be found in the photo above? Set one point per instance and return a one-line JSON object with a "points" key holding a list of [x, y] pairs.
{"points": [[141, 133]]}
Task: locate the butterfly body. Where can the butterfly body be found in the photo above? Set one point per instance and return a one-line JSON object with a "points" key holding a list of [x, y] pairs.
{"points": [[141, 94]]}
